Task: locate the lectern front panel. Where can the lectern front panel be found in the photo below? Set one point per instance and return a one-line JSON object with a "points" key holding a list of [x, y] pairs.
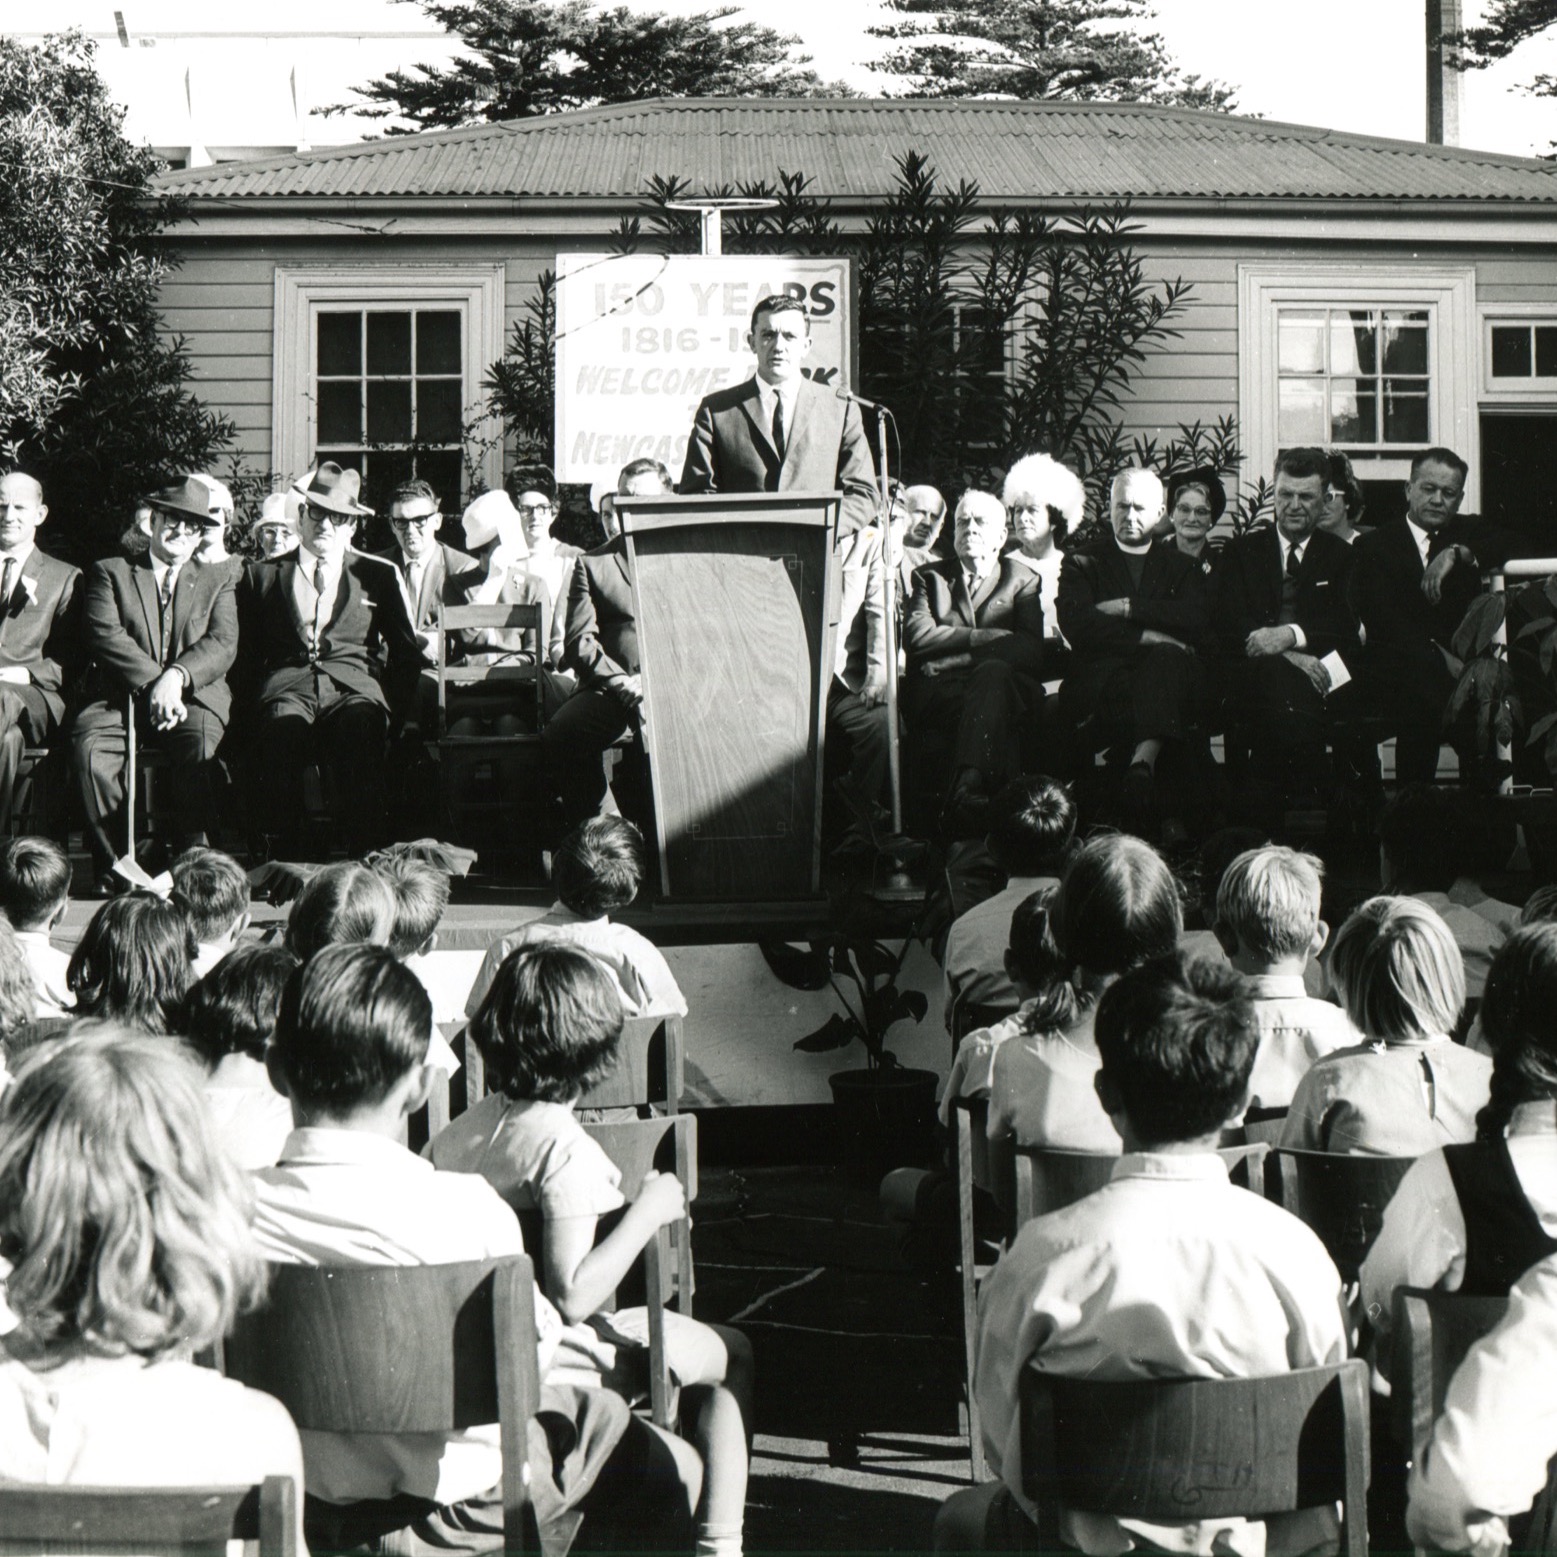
{"points": [[734, 632]]}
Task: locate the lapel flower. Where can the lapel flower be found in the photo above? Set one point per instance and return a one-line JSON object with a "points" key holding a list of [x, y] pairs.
{"points": [[30, 588]]}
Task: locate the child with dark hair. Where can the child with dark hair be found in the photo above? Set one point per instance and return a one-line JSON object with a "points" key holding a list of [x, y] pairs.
{"points": [[547, 1029], [597, 871], [345, 903], [126, 1234], [228, 1019], [213, 891], [1117, 906], [349, 1051], [1475, 1217], [1168, 1271], [134, 963], [34, 894], [1031, 824]]}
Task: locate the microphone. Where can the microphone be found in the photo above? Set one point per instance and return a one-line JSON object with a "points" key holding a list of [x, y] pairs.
{"points": [[861, 401]]}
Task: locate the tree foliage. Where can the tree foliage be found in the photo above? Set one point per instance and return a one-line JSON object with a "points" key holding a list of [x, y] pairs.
{"points": [[530, 57], [92, 398], [1074, 50], [1507, 24]]}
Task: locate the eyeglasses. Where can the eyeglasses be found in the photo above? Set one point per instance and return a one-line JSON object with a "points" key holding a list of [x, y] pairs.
{"points": [[336, 521], [186, 522], [534, 510], [405, 521]]}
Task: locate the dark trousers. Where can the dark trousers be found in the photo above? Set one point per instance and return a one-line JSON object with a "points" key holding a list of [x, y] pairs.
{"points": [[1408, 687], [1277, 716], [971, 717], [345, 734], [1155, 694], [574, 744], [857, 741], [25, 720], [98, 756]]}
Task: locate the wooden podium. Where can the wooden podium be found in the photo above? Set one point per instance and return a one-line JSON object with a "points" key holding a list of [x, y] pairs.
{"points": [[737, 604]]}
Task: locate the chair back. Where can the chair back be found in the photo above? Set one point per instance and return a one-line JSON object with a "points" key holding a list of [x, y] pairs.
{"points": [[970, 1150], [192, 1520], [1432, 1332], [1178, 1450], [511, 665], [1263, 1125], [650, 1068], [1342, 1198], [402, 1349], [968, 1016]]}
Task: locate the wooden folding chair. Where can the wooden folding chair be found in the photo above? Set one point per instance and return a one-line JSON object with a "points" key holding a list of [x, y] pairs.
{"points": [[1432, 1331], [195, 1520], [1341, 1197], [665, 1145], [403, 1349], [650, 1069], [1175, 1450], [970, 1151]]}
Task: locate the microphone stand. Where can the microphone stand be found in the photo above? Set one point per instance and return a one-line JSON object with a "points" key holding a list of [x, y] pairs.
{"points": [[889, 568]]}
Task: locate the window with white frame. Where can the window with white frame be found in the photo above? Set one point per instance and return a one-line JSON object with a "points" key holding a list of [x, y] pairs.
{"points": [[1519, 353], [379, 369], [1376, 360]]}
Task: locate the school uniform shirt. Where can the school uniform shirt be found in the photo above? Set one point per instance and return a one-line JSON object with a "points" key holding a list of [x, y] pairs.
{"points": [[642, 974], [973, 1067], [1389, 1099], [1295, 1030], [1487, 1458], [1423, 1241], [252, 1119], [49, 968], [1042, 1094], [344, 1197], [1167, 1271], [207, 955], [975, 959]]}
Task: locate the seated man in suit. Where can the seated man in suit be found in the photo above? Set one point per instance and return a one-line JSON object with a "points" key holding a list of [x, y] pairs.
{"points": [[163, 628], [1282, 606], [974, 637], [430, 572], [917, 516], [330, 652], [39, 613], [1135, 615], [1412, 580], [780, 431], [857, 728], [602, 648]]}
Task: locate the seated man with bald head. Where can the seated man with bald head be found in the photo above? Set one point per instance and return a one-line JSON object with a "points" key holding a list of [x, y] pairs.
{"points": [[974, 637], [918, 513], [1136, 615], [39, 631]]}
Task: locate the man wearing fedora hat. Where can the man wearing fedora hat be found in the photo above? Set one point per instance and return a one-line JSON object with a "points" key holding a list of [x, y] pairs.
{"points": [[162, 631], [332, 658]]}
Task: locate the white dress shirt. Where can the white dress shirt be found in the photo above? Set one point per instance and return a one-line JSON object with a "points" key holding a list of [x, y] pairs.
{"points": [[305, 597], [976, 947], [1423, 538], [1167, 1271], [1487, 1458], [789, 393], [50, 968], [1295, 1031]]}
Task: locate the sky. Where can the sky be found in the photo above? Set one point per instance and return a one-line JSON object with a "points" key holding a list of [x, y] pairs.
{"points": [[1347, 64]]}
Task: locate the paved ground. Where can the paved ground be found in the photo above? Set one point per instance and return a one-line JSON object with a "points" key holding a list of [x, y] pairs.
{"points": [[859, 1361]]}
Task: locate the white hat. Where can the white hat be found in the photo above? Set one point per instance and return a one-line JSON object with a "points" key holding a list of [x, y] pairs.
{"points": [[493, 517], [221, 495], [281, 508], [598, 490]]}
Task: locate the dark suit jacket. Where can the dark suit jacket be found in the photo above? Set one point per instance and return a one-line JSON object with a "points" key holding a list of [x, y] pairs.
{"points": [[1172, 598], [449, 576], [602, 635], [1387, 583], [731, 450], [1248, 591], [123, 630], [368, 646], [945, 627], [41, 632]]}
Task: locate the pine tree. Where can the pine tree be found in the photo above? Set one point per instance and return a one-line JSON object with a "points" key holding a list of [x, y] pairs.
{"points": [[1507, 24]]}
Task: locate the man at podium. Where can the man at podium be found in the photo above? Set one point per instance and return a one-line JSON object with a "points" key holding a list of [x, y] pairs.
{"points": [[780, 431]]}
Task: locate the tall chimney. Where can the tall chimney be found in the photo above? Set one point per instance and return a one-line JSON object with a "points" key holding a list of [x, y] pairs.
{"points": [[1443, 80]]}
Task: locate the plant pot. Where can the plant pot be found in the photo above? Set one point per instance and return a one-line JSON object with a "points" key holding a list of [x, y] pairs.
{"points": [[886, 1118]]}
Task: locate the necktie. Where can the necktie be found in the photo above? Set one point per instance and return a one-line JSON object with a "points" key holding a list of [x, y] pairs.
{"points": [[1294, 562], [8, 584], [166, 612], [318, 604], [778, 425]]}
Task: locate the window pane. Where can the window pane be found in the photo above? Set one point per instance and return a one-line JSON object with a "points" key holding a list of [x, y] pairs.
{"points": [[1301, 411], [441, 470], [340, 344], [340, 413], [1353, 411], [1405, 348], [382, 471], [1405, 413], [389, 343], [1363, 326], [438, 343], [389, 412], [1350, 345], [1511, 351], [1301, 343], [1546, 351], [438, 410]]}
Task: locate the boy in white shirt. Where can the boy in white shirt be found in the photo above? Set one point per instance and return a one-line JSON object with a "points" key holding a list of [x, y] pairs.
{"points": [[34, 893], [213, 891], [1267, 921]]}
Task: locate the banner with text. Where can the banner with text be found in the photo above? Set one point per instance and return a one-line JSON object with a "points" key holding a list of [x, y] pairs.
{"points": [[641, 338]]}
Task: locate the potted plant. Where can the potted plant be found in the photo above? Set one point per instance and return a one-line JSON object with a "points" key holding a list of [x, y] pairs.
{"points": [[885, 1112]]}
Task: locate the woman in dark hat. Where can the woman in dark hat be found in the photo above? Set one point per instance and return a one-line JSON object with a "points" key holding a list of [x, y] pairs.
{"points": [[1196, 502]]}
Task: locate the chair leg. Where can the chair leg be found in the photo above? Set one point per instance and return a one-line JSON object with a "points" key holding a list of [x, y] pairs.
{"points": [[967, 1255]]}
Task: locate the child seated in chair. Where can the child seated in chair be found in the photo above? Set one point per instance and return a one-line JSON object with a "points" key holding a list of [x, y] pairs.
{"points": [[350, 1053], [421, 894], [213, 891], [1267, 920], [1475, 1217], [34, 894], [547, 1029], [597, 871], [1117, 906], [1407, 1087], [1167, 1271], [125, 1228]]}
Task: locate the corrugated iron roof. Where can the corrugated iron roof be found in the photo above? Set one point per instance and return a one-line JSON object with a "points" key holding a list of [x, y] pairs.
{"points": [[849, 147]]}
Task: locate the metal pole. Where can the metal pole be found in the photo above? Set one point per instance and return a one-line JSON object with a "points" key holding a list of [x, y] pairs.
{"points": [[889, 565], [712, 222]]}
